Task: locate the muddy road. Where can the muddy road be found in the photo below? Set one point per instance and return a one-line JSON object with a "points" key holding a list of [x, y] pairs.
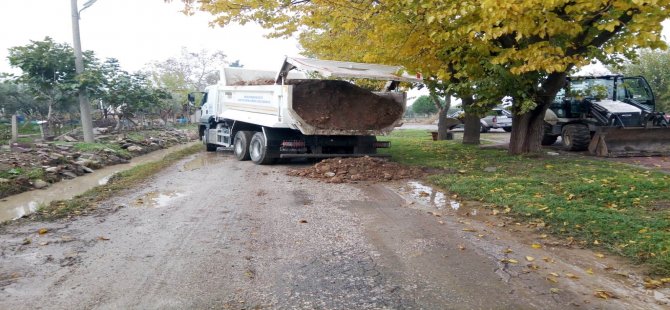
{"points": [[212, 232]]}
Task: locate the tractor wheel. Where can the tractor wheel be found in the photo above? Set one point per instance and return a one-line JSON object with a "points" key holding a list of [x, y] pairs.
{"points": [[576, 137], [241, 146]]}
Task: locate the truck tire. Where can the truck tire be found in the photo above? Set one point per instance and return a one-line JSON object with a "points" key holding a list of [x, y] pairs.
{"points": [[241, 145], [258, 151], [483, 129], [576, 137], [507, 129], [211, 147]]}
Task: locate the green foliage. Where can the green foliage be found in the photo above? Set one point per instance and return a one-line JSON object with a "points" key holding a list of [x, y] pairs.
{"points": [[425, 105], [591, 200], [93, 147], [654, 65]]}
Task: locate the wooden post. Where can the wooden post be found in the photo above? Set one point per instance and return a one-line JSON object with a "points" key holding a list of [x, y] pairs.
{"points": [[15, 129]]}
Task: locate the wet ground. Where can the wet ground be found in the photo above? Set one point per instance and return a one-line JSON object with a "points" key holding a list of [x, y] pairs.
{"points": [[213, 232], [19, 205]]}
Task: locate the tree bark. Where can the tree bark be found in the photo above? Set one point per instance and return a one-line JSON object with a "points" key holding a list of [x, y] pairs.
{"points": [[527, 129], [442, 126], [471, 122]]}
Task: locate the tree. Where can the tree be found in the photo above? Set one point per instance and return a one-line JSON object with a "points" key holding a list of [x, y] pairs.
{"points": [[482, 48], [192, 71], [424, 105], [654, 65], [48, 72]]}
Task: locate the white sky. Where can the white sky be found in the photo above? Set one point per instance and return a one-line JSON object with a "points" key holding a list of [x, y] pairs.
{"points": [[136, 32]]}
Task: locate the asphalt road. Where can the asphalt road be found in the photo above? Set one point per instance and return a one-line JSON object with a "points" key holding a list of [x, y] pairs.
{"points": [[212, 232]]}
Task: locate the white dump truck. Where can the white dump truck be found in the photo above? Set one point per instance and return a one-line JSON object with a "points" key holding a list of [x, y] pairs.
{"points": [[264, 116]]}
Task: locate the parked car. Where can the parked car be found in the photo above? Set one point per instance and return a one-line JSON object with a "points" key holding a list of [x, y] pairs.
{"points": [[496, 118]]}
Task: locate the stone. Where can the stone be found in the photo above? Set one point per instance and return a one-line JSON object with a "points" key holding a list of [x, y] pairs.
{"points": [[67, 138], [329, 174], [134, 148], [40, 184], [52, 169], [69, 174], [86, 169], [490, 169], [3, 180], [84, 162]]}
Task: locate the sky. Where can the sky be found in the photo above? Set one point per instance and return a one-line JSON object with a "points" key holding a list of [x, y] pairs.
{"points": [[137, 32]]}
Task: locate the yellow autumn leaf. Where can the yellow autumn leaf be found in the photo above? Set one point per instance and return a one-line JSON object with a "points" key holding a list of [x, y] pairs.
{"points": [[589, 271], [530, 258], [469, 229], [42, 231], [571, 276], [554, 274], [508, 250], [554, 290], [552, 279], [536, 246], [604, 294], [599, 255], [509, 260]]}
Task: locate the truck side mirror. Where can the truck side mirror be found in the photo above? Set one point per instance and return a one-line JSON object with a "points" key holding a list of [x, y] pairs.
{"points": [[191, 98]]}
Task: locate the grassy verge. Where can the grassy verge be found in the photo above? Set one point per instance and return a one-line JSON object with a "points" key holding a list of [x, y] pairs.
{"points": [[86, 202], [623, 209]]}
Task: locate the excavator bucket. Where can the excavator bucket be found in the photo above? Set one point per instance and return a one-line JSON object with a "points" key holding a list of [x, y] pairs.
{"points": [[630, 142]]}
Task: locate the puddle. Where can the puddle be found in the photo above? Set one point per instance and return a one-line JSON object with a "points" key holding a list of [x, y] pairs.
{"points": [[204, 160], [16, 206], [157, 200], [426, 198]]}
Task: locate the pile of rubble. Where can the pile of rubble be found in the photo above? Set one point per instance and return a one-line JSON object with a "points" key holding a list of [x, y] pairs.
{"points": [[349, 170], [27, 166]]}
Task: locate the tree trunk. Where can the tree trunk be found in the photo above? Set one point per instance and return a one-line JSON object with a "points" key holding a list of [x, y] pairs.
{"points": [[471, 122], [442, 127], [527, 129]]}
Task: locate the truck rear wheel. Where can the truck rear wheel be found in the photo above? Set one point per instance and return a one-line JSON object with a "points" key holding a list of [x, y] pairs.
{"points": [[241, 145], [576, 137], [258, 151]]}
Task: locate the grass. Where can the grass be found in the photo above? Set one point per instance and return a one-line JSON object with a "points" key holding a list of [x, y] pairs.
{"points": [[623, 209], [92, 147], [87, 201]]}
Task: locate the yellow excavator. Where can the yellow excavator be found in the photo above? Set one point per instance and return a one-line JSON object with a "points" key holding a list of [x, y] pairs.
{"points": [[610, 115]]}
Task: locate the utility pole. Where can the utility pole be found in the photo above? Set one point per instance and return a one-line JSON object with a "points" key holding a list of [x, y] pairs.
{"points": [[84, 107]]}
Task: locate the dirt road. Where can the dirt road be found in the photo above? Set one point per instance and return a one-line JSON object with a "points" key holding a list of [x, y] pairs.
{"points": [[213, 232]]}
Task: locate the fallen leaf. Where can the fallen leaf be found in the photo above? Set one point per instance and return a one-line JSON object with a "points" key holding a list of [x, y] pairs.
{"points": [[303, 221], [604, 294], [596, 242], [495, 212], [530, 258], [652, 284], [665, 280], [543, 236], [554, 290], [599, 255], [554, 274], [589, 271], [103, 238], [552, 279], [536, 246], [509, 261], [533, 266], [441, 222], [571, 276], [27, 241], [469, 229], [508, 250], [461, 247], [42, 231]]}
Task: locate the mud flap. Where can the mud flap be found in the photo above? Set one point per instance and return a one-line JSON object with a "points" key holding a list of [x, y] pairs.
{"points": [[630, 142]]}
